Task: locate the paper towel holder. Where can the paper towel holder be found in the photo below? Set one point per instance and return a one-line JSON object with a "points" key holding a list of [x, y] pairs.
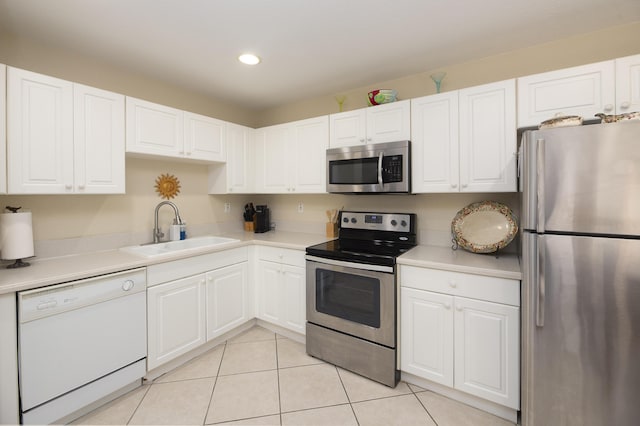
{"points": [[18, 262]]}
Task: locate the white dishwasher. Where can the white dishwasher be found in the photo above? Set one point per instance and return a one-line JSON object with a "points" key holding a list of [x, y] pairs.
{"points": [[79, 342]]}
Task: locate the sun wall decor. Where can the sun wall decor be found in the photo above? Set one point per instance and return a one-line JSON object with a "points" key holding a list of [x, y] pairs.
{"points": [[167, 186]]}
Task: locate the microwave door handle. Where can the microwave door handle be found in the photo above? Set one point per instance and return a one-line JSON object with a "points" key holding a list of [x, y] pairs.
{"points": [[380, 156]]}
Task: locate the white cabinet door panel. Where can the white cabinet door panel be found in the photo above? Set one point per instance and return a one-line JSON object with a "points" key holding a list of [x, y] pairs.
{"points": [[293, 294], [389, 122], [347, 128], [268, 289], [3, 130], [487, 343], [204, 137], [628, 84], [272, 152], [98, 141], [584, 90], [226, 299], [434, 143], [488, 138], [176, 319], [40, 133], [310, 139], [427, 335], [154, 129]]}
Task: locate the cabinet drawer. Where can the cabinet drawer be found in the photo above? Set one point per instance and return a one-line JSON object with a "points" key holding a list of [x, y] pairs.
{"points": [[282, 255], [177, 269], [499, 290]]}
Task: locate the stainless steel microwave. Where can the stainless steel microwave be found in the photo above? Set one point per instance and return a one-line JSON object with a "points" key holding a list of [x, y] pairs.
{"points": [[376, 168]]}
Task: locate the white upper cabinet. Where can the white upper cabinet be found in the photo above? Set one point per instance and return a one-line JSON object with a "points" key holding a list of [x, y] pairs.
{"points": [[585, 90], [465, 141], [158, 130], [488, 138], [204, 137], [98, 139], [236, 175], [154, 129], [63, 138], [310, 140], [628, 84], [290, 158], [434, 143], [3, 130], [382, 123]]}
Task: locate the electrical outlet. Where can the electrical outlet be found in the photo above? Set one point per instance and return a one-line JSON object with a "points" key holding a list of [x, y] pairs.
{"points": [[227, 207], [300, 207]]}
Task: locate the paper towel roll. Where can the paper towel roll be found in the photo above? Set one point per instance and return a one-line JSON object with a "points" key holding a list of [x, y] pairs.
{"points": [[16, 235]]}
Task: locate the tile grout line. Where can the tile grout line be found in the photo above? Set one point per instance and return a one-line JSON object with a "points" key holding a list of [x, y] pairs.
{"points": [[278, 378], [423, 406], [206, 413], [138, 406], [347, 393]]}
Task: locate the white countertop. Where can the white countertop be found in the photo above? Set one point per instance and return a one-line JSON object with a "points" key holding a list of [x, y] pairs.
{"points": [[43, 272], [505, 265], [53, 270]]}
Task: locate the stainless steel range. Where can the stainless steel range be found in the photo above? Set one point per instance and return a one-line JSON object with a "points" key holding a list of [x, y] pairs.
{"points": [[352, 293]]}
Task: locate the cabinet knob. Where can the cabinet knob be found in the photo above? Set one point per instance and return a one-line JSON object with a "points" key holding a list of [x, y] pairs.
{"points": [[625, 105], [447, 306], [464, 185], [230, 189], [454, 185], [80, 186], [458, 308], [68, 186], [608, 107], [209, 279], [453, 284], [202, 281], [361, 139]]}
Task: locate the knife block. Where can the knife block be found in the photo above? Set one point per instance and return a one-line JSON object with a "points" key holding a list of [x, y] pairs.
{"points": [[248, 226]]}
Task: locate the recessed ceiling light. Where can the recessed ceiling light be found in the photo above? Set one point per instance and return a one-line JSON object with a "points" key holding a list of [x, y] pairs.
{"points": [[249, 59]]}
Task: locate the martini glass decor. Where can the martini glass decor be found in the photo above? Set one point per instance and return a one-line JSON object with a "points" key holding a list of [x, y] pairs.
{"points": [[437, 78]]}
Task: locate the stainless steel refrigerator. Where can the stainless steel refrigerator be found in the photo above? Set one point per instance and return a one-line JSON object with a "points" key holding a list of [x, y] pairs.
{"points": [[581, 275]]}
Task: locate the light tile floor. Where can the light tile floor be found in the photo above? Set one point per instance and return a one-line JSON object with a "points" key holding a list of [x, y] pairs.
{"points": [[261, 378]]}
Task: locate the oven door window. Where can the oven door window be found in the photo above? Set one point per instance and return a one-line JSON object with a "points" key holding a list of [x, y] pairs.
{"points": [[351, 297]]}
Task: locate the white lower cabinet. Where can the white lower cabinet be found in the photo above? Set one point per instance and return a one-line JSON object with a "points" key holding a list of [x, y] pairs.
{"points": [[193, 300], [471, 343], [281, 288], [227, 299], [176, 324]]}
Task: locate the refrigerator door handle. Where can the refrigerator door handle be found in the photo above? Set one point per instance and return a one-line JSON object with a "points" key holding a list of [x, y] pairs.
{"points": [[540, 184], [540, 293]]}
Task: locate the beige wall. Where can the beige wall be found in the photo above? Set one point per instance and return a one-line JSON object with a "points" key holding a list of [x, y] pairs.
{"points": [[67, 65], [593, 47], [69, 216]]}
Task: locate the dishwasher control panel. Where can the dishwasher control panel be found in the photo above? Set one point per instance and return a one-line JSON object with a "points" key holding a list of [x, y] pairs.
{"points": [[46, 301]]}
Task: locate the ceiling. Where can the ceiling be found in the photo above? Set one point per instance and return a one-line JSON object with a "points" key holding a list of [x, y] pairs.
{"points": [[308, 48]]}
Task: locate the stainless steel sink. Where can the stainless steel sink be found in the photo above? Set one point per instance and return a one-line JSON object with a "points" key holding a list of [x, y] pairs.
{"points": [[152, 250]]}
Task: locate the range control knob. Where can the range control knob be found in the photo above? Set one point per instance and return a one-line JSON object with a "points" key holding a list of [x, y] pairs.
{"points": [[345, 220], [354, 220], [393, 222], [403, 223]]}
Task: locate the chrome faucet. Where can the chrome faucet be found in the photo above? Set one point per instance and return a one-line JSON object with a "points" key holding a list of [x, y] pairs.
{"points": [[157, 233]]}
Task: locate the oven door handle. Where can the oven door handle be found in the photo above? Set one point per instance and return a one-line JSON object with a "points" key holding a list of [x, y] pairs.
{"points": [[363, 266]]}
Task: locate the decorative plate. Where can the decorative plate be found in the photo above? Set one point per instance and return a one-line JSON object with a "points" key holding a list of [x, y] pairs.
{"points": [[484, 227], [167, 186], [561, 121]]}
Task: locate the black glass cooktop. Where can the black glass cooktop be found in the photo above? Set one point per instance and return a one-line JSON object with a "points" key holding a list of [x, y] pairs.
{"points": [[374, 252]]}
